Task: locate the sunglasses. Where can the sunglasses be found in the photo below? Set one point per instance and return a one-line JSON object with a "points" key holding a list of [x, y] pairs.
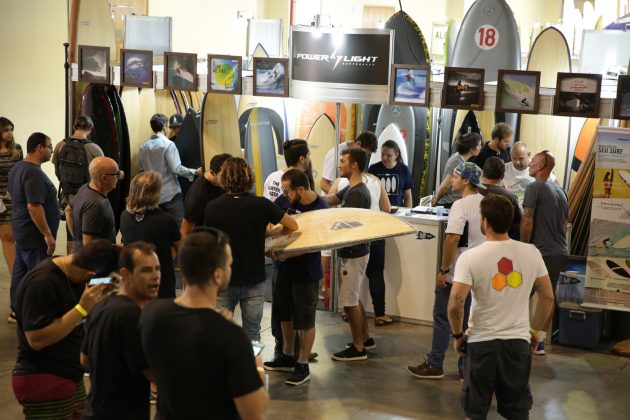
{"points": [[218, 234]]}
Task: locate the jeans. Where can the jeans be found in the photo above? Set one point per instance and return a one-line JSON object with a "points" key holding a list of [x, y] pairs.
{"points": [[555, 264], [251, 300], [374, 273], [175, 207], [276, 329], [25, 260], [441, 327]]}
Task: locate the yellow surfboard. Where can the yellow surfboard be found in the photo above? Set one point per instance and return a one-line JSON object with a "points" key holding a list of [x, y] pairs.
{"points": [[320, 139], [130, 98]]}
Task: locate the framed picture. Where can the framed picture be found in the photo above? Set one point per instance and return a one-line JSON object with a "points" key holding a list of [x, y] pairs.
{"points": [[94, 64], [577, 95], [463, 88], [409, 85], [622, 102], [136, 68], [518, 91], [180, 71], [270, 76], [224, 74]]}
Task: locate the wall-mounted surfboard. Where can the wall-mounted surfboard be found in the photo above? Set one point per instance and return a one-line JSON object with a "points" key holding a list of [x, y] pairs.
{"points": [[94, 26], [130, 97], [369, 117], [585, 139], [259, 147], [259, 51], [124, 141], [320, 139], [219, 125], [163, 102], [310, 112], [451, 36], [391, 132], [404, 118], [277, 124], [189, 145]]}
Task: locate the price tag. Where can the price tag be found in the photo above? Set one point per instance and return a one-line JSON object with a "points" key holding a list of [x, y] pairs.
{"points": [[487, 37]]}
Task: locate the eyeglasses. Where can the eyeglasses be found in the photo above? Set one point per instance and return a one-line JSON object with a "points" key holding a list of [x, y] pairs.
{"points": [[218, 234], [120, 174]]}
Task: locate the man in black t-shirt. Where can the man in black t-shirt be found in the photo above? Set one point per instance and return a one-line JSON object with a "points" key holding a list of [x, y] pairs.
{"points": [[112, 350], [354, 258], [296, 292], [245, 217], [51, 302], [203, 190], [203, 364], [499, 146]]}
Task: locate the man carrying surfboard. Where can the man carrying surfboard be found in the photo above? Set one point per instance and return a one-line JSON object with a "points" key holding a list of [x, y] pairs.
{"points": [[499, 146]]}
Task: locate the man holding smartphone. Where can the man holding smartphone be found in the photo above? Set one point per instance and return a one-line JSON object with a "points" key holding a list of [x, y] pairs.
{"points": [[112, 351]]}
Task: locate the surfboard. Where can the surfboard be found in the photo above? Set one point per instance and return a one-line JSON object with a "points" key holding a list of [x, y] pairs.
{"points": [[451, 36], [219, 127], [617, 269], [320, 139], [391, 132], [404, 118], [259, 51], [336, 228], [370, 117], [625, 176], [189, 146], [259, 147], [622, 243], [311, 111], [588, 134], [163, 102], [277, 124], [94, 26]]}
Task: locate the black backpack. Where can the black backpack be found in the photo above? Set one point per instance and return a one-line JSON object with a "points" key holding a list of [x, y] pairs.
{"points": [[72, 165]]}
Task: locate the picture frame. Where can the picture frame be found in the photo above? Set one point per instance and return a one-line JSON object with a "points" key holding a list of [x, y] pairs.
{"points": [[180, 71], [410, 85], [94, 64], [577, 95], [136, 68], [270, 77], [224, 74], [518, 91], [622, 100], [463, 88]]}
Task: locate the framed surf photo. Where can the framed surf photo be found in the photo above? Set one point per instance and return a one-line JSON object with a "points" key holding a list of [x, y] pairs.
{"points": [[270, 76], [94, 64], [622, 102], [577, 95], [180, 71], [463, 88], [409, 85], [518, 91], [224, 74], [136, 68]]}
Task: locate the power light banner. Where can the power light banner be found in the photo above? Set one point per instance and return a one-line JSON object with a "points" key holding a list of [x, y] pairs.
{"points": [[607, 283], [341, 65]]}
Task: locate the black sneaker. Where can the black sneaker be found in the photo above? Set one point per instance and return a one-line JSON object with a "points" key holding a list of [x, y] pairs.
{"points": [[350, 354], [283, 363], [368, 344], [301, 374]]}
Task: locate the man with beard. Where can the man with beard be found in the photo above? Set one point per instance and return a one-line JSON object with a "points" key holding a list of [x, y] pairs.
{"points": [[499, 146]]}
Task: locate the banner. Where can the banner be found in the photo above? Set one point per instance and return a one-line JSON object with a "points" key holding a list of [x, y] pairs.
{"points": [[607, 283]]}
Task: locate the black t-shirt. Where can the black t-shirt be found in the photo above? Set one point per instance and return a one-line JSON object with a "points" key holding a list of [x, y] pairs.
{"points": [[487, 152], [244, 218], [119, 390], [200, 361], [42, 296], [357, 197], [515, 229], [306, 267], [92, 214], [199, 194]]}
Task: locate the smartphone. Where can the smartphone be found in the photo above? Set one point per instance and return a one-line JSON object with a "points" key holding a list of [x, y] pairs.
{"points": [[102, 280], [257, 347]]}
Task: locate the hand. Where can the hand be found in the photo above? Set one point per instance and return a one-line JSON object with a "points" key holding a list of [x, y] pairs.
{"points": [[441, 281], [50, 244], [533, 342], [225, 313], [433, 201], [91, 295], [458, 343], [198, 172]]}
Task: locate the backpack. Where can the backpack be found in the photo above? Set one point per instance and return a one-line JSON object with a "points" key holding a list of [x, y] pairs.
{"points": [[72, 165]]}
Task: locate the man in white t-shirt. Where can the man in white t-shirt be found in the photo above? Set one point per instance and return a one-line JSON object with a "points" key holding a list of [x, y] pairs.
{"points": [[499, 342], [516, 177], [365, 140], [296, 155], [462, 233]]}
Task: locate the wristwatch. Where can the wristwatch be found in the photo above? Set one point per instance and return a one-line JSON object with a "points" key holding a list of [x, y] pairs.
{"points": [[445, 270], [457, 336]]}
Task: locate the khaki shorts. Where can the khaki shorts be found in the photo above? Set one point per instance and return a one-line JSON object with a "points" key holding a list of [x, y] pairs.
{"points": [[351, 280]]}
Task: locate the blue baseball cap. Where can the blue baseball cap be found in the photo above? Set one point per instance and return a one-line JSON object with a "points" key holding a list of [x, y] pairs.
{"points": [[471, 172]]}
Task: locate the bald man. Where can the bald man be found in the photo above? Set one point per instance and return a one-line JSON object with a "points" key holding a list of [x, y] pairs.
{"points": [[89, 214]]}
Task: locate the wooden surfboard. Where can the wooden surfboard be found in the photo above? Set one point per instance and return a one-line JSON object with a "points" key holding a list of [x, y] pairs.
{"points": [[311, 111], [320, 139], [130, 97], [259, 147], [404, 118], [95, 26], [219, 127], [587, 135], [337, 228], [163, 102], [391, 132]]}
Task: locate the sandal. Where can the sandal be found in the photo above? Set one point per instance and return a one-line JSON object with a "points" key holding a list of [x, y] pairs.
{"points": [[381, 321]]}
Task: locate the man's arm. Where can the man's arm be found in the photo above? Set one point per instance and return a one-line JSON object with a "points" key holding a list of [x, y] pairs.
{"points": [[69, 220], [252, 406], [527, 224], [383, 202], [36, 211], [84, 360], [186, 228], [442, 189], [408, 201], [175, 164], [456, 301], [325, 185], [449, 248], [544, 308]]}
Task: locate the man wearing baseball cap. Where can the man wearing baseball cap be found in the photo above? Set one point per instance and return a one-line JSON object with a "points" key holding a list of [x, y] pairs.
{"points": [[462, 233], [175, 123]]}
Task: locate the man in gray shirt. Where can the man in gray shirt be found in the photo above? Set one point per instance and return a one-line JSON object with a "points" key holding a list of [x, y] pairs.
{"points": [[160, 154]]}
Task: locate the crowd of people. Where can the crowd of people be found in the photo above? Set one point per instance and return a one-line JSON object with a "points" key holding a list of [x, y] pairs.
{"points": [[111, 310]]}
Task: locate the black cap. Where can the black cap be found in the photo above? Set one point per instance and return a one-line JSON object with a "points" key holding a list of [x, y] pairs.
{"points": [[176, 120]]}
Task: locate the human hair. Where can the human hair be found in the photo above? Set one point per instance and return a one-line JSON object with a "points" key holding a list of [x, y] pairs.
{"points": [[297, 178], [127, 260], [358, 155], [368, 141], [203, 245], [217, 161], [494, 168], [294, 150], [99, 255], [34, 140], [501, 131], [391, 144], [158, 122], [236, 176], [498, 211], [14, 151], [83, 122], [467, 142], [144, 192]]}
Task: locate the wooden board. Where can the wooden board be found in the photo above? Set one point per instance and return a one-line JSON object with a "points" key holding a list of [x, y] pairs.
{"points": [[260, 147], [320, 139], [163, 102], [219, 127], [583, 145], [336, 228], [95, 27], [130, 97], [310, 113]]}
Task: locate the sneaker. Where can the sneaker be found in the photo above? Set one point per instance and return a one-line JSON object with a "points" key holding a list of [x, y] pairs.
{"points": [[301, 374], [368, 344], [382, 321], [540, 348], [313, 356], [460, 373], [426, 371], [153, 398], [350, 354], [11, 318], [282, 363]]}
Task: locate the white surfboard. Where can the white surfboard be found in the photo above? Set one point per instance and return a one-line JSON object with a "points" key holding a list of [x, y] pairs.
{"points": [[625, 176], [391, 132]]}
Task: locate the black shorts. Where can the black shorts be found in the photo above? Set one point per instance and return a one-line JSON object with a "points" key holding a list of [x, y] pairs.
{"points": [[501, 367], [296, 301]]}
